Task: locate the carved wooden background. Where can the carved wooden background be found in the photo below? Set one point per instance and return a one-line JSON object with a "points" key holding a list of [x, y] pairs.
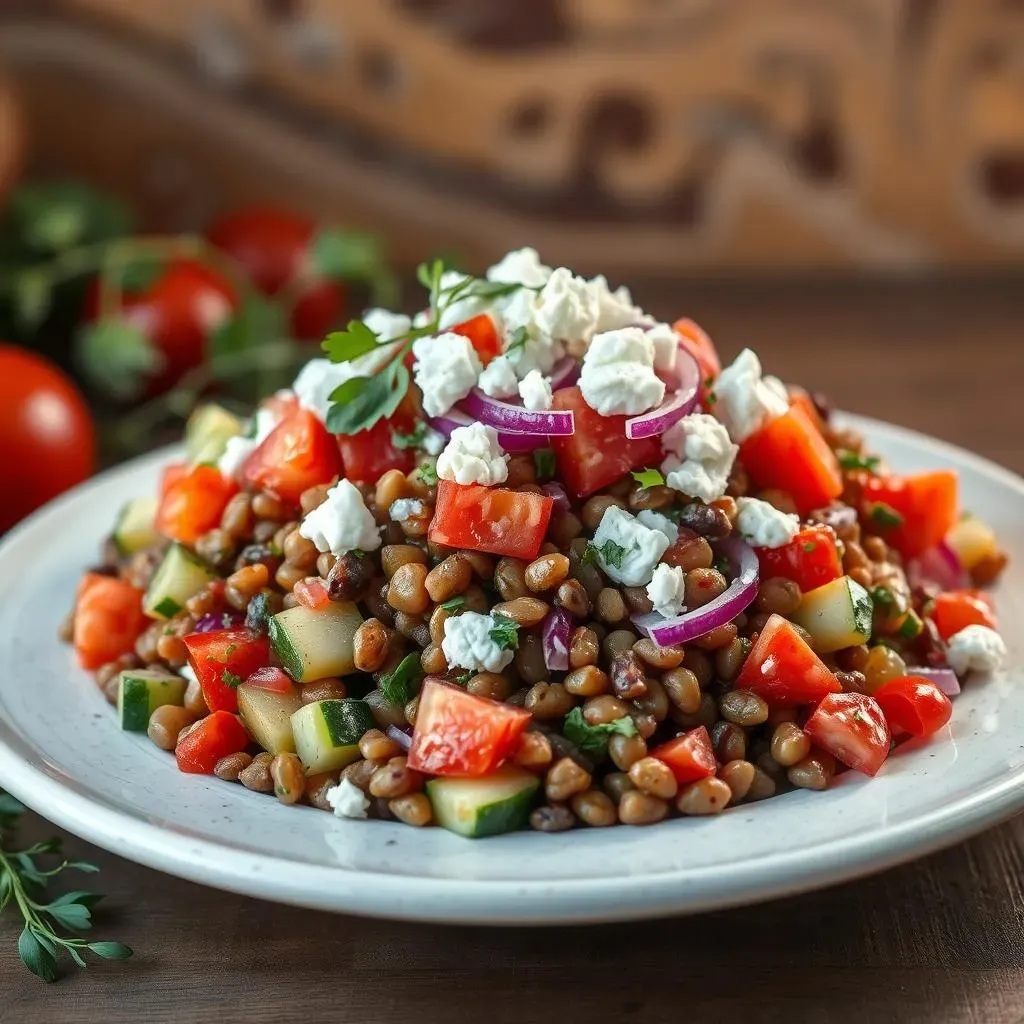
{"points": [[641, 136]]}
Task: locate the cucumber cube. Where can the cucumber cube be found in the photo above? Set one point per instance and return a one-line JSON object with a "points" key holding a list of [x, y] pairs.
{"points": [[141, 691]]}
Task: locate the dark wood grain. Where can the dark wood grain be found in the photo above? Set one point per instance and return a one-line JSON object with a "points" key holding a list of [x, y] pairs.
{"points": [[934, 941]]}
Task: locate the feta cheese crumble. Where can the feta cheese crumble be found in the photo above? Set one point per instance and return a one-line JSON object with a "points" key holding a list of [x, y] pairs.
{"points": [[473, 456], [386, 325], [744, 401], [566, 308], [627, 550], [535, 391], [667, 590], [347, 800], [656, 521], [433, 441], [615, 309], [445, 370], [618, 373], [405, 508], [499, 380], [319, 377], [467, 644], [763, 525], [342, 523], [666, 346], [461, 309], [976, 649], [698, 457], [520, 266], [239, 448]]}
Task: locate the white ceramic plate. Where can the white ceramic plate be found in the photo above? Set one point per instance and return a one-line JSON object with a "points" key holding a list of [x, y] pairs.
{"points": [[63, 755]]}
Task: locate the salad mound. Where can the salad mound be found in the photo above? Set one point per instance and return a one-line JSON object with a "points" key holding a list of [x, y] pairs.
{"points": [[532, 558]]}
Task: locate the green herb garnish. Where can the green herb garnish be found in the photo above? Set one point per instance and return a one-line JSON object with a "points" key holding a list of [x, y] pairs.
{"points": [[593, 739], [428, 474], [885, 515], [462, 678], [230, 679], [608, 553], [454, 603], [854, 460], [504, 632], [648, 477], [410, 440], [910, 627], [883, 597], [544, 464], [396, 688], [809, 547]]}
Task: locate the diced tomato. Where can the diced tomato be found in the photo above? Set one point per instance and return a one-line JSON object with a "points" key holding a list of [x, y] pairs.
{"points": [[194, 503], [598, 453], [690, 756], [491, 519], [802, 398], [368, 455], [457, 733], [483, 336], [811, 559], [311, 593], [790, 454], [913, 704], [959, 609], [852, 728], [925, 507], [269, 678], [299, 453], [224, 658], [783, 670], [218, 735], [108, 619], [702, 348], [171, 475]]}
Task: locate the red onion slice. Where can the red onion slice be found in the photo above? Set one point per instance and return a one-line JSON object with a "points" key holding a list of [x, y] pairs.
{"points": [[564, 373], [939, 566], [555, 634], [557, 491], [723, 609], [505, 416], [944, 678], [211, 622], [400, 736], [509, 441], [680, 403]]}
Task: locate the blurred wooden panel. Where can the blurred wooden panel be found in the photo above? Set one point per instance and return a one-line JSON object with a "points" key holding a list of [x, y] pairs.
{"points": [[637, 137]]}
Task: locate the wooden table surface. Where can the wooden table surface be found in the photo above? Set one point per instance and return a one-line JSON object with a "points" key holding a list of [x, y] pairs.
{"points": [[938, 940]]}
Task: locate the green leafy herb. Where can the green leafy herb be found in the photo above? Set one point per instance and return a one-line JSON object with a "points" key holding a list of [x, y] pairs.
{"points": [[854, 460], [411, 440], [231, 648], [396, 688], [593, 739], [428, 474], [883, 597], [809, 547], [462, 678], [23, 882], [348, 345], [608, 553], [504, 632], [361, 401], [116, 356], [648, 477], [885, 515], [257, 615], [723, 565], [911, 626], [230, 679], [517, 339], [454, 603], [544, 463]]}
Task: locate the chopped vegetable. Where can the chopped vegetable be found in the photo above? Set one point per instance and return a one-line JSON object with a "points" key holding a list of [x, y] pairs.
{"points": [[852, 728], [223, 659]]}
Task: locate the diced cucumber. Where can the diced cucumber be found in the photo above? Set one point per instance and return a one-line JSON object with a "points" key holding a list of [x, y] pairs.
{"points": [[268, 717], [207, 433], [837, 615], [141, 691], [178, 577], [315, 643], [136, 526], [486, 806], [327, 733]]}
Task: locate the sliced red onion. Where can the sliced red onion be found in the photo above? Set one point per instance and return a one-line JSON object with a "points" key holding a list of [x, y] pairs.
{"points": [[511, 442], [681, 402], [212, 621], [400, 736], [505, 416], [564, 373], [940, 566], [555, 635], [723, 609], [557, 491], [944, 678]]}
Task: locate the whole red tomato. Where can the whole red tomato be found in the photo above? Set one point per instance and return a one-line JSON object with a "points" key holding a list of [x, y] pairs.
{"points": [[273, 248], [47, 442], [176, 311]]}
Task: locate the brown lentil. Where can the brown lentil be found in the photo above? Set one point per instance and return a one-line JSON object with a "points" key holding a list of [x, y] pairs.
{"points": [[313, 497], [689, 552], [656, 497], [572, 596], [257, 775], [563, 528], [653, 777], [228, 768], [546, 572], [814, 771], [584, 647], [395, 778], [699, 663], [743, 708], [166, 723], [604, 710], [637, 600], [549, 700], [267, 506], [394, 556], [475, 600], [412, 809], [702, 586], [683, 690], [391, 487], [706, 714], [625, 751], [594, 509], [384, 714], [778, 595], [216, 547], [249, 580], [587, 681], [615, 784], [534, 751], [706, 796], [729, 658], [510, 579], [433, 660], [410, 710], [663, 658], [526, 611], [717, 638], [739, 777], [594, 808], [730, 741], [636, 808], [288, 778], [617, 642], [370, 645], [552, 819], [317, 787], [407, 590], [375, 745], [288, 575], [448, 578], [762, 785], [564, 779], [263, 532], [627, 675], [237, 519], [360, 772], [195, 702], [490, 685], [610, 606], [708, 521], [529, 658]]}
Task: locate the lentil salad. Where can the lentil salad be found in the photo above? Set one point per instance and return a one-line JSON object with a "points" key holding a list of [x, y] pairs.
{"points": [[532, 559]]}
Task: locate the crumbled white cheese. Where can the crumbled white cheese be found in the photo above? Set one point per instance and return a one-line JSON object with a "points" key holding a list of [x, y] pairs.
{"points": [[386, 325], [347, 800], [667, 590], [698, 457], [433, 441], [743, 401], [499, 380], [527, 347], [467, 644], [520, 266], [627, 550], [777, 388], [535, 391], [239, 448], [405, 508], [473, 456], [763, 525], [656, 521], [445, 370], [319, 377], [666, 346], [615, 309], [618, 373], [976, 649], [342, 522], [566, 307]]}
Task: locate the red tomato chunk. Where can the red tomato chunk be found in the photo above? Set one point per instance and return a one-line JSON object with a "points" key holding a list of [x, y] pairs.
{"points": [[811, 559], [912, 513], [193, 502], [218, 735], [690, 756], [852, 728], [914, 704], [959, 609], [224, 658]]}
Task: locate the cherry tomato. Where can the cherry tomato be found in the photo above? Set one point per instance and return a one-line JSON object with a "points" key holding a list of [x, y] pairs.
{"points": [[598, 453], [783, 670], [925, 508], [108, 619], [193, 503], [913, 704], [223, 658], [369, 454], [47, 442], [218, 735], [491, 519], [177, 311], [690, 756], [457, 733], [273, 248], [959, 609], [852, 728], [483, 335], [811, 559]]}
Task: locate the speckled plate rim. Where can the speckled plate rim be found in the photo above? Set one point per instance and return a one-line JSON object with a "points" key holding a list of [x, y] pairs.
{"points": [[482, 901]]}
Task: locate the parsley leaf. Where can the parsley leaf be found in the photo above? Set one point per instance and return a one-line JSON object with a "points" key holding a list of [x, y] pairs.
{"points": [[854, 460], [517, 339], [544, 463], [454, 603], [410, 440], [230, 679], [504, 632], [462, 678], [608, 553], [396, 688], [885, 515], [809, 547], [361, 401], [648, 477], [593, 739], [345, 346], [428, 474]]}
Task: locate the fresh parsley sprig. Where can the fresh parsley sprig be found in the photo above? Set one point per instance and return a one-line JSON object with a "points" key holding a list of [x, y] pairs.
{"points": [[593, 739], [23, 882], [504, 632], [397, 687], [608, 553]]}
